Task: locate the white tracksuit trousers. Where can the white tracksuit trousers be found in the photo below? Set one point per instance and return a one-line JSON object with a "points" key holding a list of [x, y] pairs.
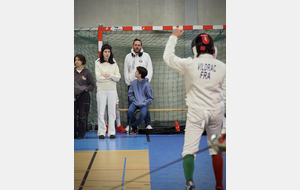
{"points": [[110, 96]]}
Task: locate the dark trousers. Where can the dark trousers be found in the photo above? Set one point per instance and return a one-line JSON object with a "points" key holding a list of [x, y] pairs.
{"points": [[147, 118], [82, 107]]}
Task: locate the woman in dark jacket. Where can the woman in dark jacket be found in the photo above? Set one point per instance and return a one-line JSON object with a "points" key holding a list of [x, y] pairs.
{"points": [[83, 84]]}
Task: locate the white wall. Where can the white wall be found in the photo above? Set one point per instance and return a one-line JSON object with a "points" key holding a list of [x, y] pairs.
{"points": [[90, 13], [212, 12]]}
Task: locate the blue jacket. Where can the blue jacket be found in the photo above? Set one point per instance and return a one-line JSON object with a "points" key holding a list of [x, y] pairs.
{"points": [[140, 93]]}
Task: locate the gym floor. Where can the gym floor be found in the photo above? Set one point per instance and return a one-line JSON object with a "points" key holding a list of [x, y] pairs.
{"points": [[125, 163]]}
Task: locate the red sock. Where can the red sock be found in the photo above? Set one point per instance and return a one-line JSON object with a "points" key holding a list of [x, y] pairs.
{"points": [[217, 162]]}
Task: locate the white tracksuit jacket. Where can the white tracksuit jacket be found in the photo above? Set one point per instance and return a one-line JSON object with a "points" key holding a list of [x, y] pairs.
{"points": [[131, 62], [204, 77]]}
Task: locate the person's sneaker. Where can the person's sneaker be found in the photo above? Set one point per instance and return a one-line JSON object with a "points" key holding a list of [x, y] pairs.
{"points": [[220, 188], [101, 137], [134, 130], [190, 185], [149, 127], [112, 136], [223, 130], [127, 128], [120, 129], [106, 128]]}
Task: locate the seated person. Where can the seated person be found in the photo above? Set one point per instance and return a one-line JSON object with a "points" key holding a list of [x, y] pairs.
{"points": [[140, 94]]}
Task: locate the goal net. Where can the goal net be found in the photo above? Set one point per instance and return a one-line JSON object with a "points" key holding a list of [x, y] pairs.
{"points": [[167, 85]]}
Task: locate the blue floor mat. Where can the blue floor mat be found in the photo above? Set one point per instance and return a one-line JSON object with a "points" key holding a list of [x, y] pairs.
{"points": [[164, 149], [123, 141]]}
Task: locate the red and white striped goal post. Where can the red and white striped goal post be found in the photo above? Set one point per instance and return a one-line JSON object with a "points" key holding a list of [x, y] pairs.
{"points": [[132, 28]]}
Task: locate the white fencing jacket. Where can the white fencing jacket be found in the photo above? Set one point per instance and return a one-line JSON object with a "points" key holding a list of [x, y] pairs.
{"points": [[131, 62], [204, 77]]}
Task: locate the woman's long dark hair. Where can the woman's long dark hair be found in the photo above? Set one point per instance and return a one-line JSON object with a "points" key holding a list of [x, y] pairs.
{"points": [[111, 57]]}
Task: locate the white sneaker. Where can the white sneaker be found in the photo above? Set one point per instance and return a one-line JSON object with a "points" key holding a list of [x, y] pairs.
{"points": [[190, 185], [223, 130], [149, 127], [127, 128]]}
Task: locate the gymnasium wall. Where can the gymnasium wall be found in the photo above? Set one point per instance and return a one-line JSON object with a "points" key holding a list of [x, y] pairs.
{"points": [[90, 13]]}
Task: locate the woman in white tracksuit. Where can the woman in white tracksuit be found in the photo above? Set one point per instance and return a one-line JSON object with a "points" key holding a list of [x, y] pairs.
{"points": [[107, 76], [204, 77]]}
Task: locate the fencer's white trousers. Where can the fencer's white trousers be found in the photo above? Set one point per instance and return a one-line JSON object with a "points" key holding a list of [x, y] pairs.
{"points": [[197, 121], [110, 97]]}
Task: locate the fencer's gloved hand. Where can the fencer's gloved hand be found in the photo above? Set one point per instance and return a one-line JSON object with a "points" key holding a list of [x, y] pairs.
{"points": [[219, 143]]}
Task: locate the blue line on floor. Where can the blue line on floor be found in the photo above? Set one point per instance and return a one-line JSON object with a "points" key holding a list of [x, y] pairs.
{"points": [[123, 173]]}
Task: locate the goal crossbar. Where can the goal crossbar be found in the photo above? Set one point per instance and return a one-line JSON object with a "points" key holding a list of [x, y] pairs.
{"points": [[144, 28]]}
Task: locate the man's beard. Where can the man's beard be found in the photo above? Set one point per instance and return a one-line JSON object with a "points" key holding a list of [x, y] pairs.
{"points": [[137, 51]]}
